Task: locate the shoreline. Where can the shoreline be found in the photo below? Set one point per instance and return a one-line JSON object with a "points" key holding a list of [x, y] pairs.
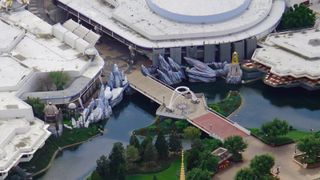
{"points": [[61, 149]]}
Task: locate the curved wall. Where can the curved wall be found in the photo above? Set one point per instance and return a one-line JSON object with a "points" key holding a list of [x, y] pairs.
{"points": [[201, 19]]}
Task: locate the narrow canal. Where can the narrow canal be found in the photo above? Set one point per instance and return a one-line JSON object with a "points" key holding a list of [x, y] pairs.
{"points": [[299, 107]]}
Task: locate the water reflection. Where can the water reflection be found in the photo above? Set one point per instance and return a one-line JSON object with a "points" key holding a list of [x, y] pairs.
{"points": [[77, 163], [299, 107]]}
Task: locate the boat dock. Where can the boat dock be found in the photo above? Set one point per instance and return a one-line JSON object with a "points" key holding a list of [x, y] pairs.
{"points": [[197, 114]]}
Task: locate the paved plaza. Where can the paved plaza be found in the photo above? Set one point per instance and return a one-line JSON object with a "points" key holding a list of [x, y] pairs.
{"points": [[283, 158]]}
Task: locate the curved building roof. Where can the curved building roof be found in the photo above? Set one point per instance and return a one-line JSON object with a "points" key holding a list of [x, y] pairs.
{"points": [[200, 11], [170, 23]]}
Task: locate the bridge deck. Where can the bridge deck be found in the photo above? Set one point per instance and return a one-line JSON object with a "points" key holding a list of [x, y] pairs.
{"points": [[198, 115]]}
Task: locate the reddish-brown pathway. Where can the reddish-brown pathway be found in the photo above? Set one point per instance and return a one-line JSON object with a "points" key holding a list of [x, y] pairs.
{"points": [[216, 125]]}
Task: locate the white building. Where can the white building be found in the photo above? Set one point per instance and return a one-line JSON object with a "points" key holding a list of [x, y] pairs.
{"points": [[30, 49], [291, 59], [204, 29]]}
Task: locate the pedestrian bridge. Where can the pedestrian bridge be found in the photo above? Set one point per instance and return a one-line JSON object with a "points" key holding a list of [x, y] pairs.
{"points": [[196, 113]]}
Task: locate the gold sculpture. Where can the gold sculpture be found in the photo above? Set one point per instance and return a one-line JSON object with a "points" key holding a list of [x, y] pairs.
{"points": [[182, 172]]}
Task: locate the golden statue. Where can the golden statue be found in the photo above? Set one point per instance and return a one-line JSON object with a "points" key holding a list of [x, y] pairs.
{"points": [[235, 58], [182, 172]]}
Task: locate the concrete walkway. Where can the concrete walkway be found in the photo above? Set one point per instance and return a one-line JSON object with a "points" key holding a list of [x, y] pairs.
{"points": [[195, 113], [283, 158]]}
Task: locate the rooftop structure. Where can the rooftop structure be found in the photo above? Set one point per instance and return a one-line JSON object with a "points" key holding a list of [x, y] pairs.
{"points": [[291, 59], [42, 48], [30, 49], [205, 29]]}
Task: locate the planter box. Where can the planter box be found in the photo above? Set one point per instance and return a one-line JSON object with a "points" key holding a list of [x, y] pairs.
{"points": [[304, 165]]}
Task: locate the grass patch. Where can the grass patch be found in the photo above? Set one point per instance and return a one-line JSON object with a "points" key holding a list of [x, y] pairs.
{"points": [[166, 126], [297, 135], [291, 137], [67, 122], [172, 172], [41, 158], [279, 141], [228, 105]]}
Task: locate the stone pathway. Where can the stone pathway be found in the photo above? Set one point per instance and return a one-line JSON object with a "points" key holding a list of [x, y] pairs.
{"points": [[283, 158]]}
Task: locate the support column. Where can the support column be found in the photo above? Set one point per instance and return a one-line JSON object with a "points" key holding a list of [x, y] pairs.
{"points": [[239, 47], [225, 52], [209, 53], [251, 46], [192, 51], [175, 54], [155, 55]]}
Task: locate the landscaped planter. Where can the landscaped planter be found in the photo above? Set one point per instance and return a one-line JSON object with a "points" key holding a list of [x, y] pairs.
{"points": [[305, 165], [269, 143]]}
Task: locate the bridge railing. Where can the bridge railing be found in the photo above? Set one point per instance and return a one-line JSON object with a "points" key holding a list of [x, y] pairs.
{"points": [[162, 83], [145, 93]]}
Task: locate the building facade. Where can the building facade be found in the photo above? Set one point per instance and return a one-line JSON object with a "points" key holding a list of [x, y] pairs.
{"points": [[210, 32]]}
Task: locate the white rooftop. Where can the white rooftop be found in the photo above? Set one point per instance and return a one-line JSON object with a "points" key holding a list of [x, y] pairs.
{"points": [[10, 35], [136, 22], [12, 73], [29, 49], [292, 53], [20, 137]]}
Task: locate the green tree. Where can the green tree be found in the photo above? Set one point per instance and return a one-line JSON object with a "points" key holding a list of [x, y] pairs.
{"points": [[191, 133], [37, 106], [197, 144], [298, 16], [261, 165], [132, 154], [134, 141], [208, 161], [103, 167], [235, 145], [211, 144], [245, 174], [174, 142], [155, 177], [193, 158], [275, 128], [59, 79], [162, 146], [198, 174], [311, 147], [117, 162], [150, 153], [181, 125], [144, 144]]}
